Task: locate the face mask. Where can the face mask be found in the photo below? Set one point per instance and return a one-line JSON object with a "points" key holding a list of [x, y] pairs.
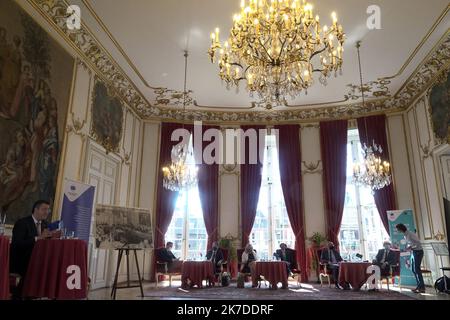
{"points": [[169, 249], [387, 247], [215, 248], [331, 247]]}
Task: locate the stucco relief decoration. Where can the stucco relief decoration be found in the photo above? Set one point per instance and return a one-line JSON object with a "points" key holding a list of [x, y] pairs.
{"points": [[166, 100]]}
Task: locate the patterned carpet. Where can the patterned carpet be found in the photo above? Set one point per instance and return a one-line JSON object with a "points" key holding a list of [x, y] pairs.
{"points": [[307, 292]]}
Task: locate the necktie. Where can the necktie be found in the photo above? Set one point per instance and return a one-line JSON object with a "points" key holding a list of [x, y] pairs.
{"points": [[38, 228]]}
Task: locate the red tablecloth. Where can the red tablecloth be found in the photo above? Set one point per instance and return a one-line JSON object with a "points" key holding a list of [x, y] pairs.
{"points": [[272, 271], [52, 272], [4, 268], [354, 273], [196, 272]]}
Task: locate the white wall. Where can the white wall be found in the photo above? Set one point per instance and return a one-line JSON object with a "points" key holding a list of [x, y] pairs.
{"points": [[312, 180], [146, 180]]}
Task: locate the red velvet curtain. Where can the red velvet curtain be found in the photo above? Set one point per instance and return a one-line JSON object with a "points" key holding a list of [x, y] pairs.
{"points": [[289, 153], [166, 199], [371, 129], [251, 176], [208, 187], [333, 140]]}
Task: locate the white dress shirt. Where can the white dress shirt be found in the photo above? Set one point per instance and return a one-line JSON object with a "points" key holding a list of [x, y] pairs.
{"points": [[245, 257]]}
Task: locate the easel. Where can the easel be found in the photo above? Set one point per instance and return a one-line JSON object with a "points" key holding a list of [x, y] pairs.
{"points": [[119, 259], [440, 249]]}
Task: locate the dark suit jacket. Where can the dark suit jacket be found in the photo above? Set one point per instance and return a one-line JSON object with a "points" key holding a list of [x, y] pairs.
{"points": [[22, 244], [165, 255], [289, 257], [391, 258], [217, 258], [326, 256]]}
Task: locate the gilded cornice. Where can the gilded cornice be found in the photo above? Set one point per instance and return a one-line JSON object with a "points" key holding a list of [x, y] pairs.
{"points": [[166, 106]]}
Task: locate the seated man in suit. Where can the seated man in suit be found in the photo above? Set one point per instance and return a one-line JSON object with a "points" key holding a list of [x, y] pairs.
{"points": [[216, 256], [331, 257], [25, 233], [385, 259], [166, 255], [287, 255]]}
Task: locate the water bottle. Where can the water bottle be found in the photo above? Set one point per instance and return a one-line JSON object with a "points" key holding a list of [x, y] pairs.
{"points": [[61, 228]]}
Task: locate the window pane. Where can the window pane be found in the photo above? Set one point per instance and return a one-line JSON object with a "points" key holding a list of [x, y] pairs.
{"points": [[272, 225], [187, 229], [361, 229]]}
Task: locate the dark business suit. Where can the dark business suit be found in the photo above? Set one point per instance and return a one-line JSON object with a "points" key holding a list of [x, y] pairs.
{"points": [[22, 244], [288, 257], [173, 265], [326, 257], [390, 260], [216, 257]]}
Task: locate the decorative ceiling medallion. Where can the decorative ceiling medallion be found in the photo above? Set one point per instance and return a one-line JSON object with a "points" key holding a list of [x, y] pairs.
{"points": [[89, 49], [168, 97], [374, 89]]}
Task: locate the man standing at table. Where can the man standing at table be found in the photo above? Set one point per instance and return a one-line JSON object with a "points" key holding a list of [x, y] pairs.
{"points": [[26, 232], [331, 257]]}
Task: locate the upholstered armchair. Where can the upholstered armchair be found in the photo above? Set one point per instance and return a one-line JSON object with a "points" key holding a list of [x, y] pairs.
{"points": [[162, 269]]}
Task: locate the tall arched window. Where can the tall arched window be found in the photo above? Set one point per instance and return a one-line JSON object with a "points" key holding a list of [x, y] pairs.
{"points": [[272, 225], [362, 230], [187, 229]]}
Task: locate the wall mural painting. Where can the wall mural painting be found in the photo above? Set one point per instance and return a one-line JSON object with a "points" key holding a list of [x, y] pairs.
{"points": [[35, 82], [440, 109], [107, 118]]}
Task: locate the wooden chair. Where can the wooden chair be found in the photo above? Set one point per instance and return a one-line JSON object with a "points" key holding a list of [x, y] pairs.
{"points": [[247, 275], [294, 267], [14, 280], [394, 272], [324, 272], [427, 274], [226, 260], [162, 269]]}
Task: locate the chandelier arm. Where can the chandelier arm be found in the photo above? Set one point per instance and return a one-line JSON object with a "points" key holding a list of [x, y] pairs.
{"points": [[264, 47], [318, 52], [260, 58], [282, 46]]}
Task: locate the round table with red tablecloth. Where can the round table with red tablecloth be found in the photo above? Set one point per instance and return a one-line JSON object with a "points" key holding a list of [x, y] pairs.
{"points": [[354, 273], [4, 268], [272, 271], [57, 270], [196, 272]]}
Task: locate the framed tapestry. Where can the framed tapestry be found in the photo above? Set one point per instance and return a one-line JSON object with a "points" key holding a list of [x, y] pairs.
{"points": [[107, 117], [440, 108], [35, 83]]}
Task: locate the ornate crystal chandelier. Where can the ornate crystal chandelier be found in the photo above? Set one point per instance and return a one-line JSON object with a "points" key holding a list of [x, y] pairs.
{"points": [[276, 47], [180, 174], [373, 172]]}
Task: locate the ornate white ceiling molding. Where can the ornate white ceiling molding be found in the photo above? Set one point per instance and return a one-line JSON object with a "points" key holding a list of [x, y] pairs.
{"points": [[167, 100]]}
